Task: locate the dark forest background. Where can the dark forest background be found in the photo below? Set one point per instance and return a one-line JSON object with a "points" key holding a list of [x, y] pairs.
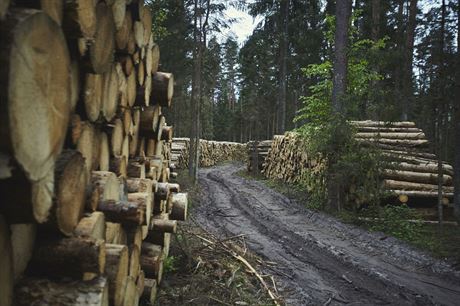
{"points": [[255, 90]]}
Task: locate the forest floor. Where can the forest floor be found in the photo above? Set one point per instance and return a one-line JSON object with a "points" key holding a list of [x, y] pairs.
{"points": [[203, 269], [312, 258]]}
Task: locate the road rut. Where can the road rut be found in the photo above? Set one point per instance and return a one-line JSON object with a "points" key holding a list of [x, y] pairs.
{"points": [[321, 261]]}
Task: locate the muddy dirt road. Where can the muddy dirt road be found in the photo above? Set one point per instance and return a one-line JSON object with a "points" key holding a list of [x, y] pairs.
{"points": [[321, 261]]}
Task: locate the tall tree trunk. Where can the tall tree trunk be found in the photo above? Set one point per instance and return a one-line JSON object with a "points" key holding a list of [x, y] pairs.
{"points": [[283, 66], [398, 96], [441, 109], [195, 95], [457, 127], [200, 61], [339, 86], [343, 12], [408, 60], [369, 111], [241, 120], [358, 22], [375, 20]]}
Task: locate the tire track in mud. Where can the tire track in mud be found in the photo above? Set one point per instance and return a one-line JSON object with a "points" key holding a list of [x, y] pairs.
{"points": [[320, 260]]}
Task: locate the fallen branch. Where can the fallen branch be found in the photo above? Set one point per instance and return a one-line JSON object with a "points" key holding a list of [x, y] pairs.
{"points": [[218, 301], [223, 240], [453, 223], [242, 260], [262, 281]]}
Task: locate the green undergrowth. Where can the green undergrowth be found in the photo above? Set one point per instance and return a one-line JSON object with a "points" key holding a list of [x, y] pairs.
{"points": [[400, 222]]}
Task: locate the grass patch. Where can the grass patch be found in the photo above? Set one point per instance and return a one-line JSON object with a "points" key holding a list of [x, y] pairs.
{"points": [[441, 242]]}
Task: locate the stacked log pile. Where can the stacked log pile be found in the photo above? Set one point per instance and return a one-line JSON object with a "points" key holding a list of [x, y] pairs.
{"points": [[211, 152], [411, 171], [257, 152], [287, 159], [86, 210]]}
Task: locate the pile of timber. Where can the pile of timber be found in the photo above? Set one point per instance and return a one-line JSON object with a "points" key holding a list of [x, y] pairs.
{"points": [[411, 170], [87, 209], [257, 152], [211, 152], [287, 159]]}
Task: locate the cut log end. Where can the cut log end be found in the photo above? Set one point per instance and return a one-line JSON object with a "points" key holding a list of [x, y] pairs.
{"points": [[33, 40], [117, 271], [101, 51], [92, 226], [71, 181], [179, 206], [162, 89]]}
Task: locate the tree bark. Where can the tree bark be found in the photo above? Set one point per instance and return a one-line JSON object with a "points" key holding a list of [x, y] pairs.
{"points": [[23, 242], [33, 291], [283, 53], [375, 20], [343, 12], [105, 186], [457, 127], [7, 271], [117, 263], [339, 87], [150, 290], [402, 185], [93, 226], [164, 225], [417, 177], [52, 258], [123, 212], [440, 108], [408, 60], [80, 18]]}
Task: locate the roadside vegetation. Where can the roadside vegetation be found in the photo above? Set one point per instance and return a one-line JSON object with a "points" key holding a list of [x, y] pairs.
{"points": [[347, 183], [398, 221]]}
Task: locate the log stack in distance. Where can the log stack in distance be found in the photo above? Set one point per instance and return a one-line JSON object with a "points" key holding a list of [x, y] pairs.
{"points": [[84, 154], [411, 172], [257, 152], [211, 152]]}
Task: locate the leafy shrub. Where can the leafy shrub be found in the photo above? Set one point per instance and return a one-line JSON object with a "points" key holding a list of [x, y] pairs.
{"points": [[170, 264], [355, 168], [329, 137], [394, 220]]}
